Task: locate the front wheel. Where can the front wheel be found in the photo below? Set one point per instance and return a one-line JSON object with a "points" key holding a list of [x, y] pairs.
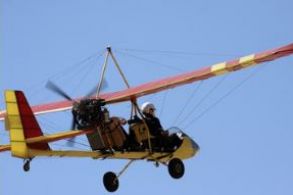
{"points": [[111, 181], [176, 168]]}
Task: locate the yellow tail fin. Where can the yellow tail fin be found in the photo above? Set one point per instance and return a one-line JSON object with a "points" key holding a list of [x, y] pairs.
{"points": [[22, 124]]}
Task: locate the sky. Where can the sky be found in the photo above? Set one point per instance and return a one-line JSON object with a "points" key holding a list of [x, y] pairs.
{"points": [[242, 121]]}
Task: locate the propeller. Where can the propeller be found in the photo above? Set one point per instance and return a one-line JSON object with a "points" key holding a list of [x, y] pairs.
{"points": [[86, 112], [53, 87]]}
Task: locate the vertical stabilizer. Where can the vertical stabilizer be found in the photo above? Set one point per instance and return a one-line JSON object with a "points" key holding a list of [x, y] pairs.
{"points": [[22, 125]]}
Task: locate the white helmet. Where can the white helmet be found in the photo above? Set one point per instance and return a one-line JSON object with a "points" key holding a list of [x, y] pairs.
{"points": [[146, 107]]}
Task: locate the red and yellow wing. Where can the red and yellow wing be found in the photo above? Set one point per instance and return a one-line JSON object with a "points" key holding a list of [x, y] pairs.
{"points": [[174, 81], [201, 74]]}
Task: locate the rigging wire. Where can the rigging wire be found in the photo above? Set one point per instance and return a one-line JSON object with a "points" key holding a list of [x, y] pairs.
{"points": [[76, 65], [86, 73], [53, 125], [179, 52], [81, 72], [79, 64], [150, 61], [203, 99], [74, 146], [63, 145], [36, 88], [257, 69], [163, 103], [192, 95]]}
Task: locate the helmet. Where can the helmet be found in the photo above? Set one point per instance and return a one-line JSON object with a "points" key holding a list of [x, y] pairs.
{"points": [[146, 107]]}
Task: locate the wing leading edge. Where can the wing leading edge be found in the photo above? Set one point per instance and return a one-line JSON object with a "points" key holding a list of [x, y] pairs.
{"points": [[174, 81]]}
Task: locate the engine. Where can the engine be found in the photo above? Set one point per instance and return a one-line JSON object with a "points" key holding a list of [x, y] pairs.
{"points": [[89, 113]]}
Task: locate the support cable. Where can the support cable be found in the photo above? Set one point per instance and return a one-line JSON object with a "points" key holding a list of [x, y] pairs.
{"points": [[163, 103], [53, 125], [151, 61], [203, 99], [258, 69], [88, 69], [179, 52], [37, 88], [192, 95]]}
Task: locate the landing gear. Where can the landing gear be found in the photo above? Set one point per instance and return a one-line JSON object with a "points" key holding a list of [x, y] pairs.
{"points": [[111, 181], [176, 168], [26, 165]]}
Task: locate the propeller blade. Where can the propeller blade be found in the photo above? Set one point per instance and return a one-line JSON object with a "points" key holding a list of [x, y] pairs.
{"points": [[53, 87], [94, 90]]}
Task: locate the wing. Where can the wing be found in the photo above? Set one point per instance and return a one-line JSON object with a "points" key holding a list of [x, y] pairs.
{"points": [[201, 74], [174, 81]]}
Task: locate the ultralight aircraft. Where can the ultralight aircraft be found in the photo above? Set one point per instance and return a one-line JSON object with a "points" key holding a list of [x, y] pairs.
{"points": [[106, 135]]}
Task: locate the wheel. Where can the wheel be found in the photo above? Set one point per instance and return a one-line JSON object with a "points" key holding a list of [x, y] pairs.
{"points": [[26, 166], [111, 181], [176, 168]]}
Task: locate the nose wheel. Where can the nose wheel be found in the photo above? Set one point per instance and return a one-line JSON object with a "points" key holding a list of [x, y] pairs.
{"points": [[176, 168]]}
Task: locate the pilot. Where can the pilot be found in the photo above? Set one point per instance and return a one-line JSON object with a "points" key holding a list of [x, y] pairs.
{"points": [[163, 139], [148, 109]]}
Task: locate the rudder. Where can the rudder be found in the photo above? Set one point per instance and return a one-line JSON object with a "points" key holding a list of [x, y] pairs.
{"points": [[22, 125]]}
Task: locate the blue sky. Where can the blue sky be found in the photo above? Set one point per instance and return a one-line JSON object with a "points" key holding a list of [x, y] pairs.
{"points": [[246, 139]]}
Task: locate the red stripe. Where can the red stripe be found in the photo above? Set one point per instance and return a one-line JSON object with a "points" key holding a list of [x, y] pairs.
{"points": [[30, 125]]}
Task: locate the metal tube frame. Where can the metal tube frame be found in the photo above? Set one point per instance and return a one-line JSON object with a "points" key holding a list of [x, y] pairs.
{"points": [[134, 106]]}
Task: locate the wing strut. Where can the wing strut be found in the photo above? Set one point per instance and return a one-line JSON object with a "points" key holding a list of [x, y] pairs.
{"points": [[102, 74], [134, 106], [133, 100]]}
